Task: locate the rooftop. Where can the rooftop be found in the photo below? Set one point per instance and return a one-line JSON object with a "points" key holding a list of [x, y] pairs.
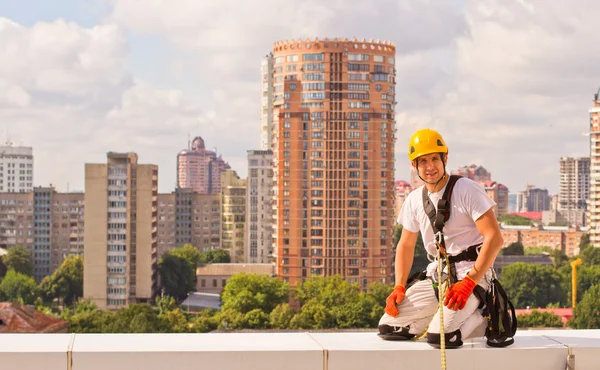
{"points": [[535, 349]]}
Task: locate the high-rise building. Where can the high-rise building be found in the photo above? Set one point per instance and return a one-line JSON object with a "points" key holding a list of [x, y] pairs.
{"points": [[538, 200], [593, 219], [258, 247], [333, 149], [474, 172], [120, 261], [233, 206], [16, 168], [402, 189], [186, 217], [49, 225], [499, 194], [574, 189], [266, 104], [200, 169]]}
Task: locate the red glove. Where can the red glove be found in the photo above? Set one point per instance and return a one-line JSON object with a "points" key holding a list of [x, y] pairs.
{"points": [[395, 297], [459, 293]]}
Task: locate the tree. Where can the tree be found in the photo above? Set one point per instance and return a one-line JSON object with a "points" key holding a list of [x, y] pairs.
{"points": [[514, 220], [177, 276], [281, 316], [137, 318], [18, 287], [204, 322], [66, 283], [246, 292], [18, 259], [590, 255], [514, 249], [332, 302], [215, 256], [420, 260], [532, 285], [538, 250], [584, 242], [85, 317], [586, 315], [537, 319]]}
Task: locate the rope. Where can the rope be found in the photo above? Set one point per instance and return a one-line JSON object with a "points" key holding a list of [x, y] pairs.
{"points": [[441, 294]]}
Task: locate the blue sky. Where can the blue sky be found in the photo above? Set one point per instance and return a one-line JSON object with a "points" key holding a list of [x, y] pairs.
{"points": [[123, 76]]}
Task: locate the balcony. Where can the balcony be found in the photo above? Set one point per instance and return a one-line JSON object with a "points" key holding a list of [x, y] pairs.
{"points": [[543, 349]]}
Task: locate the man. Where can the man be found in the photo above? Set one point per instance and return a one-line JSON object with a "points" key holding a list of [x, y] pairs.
{"points": [[472, 227]]}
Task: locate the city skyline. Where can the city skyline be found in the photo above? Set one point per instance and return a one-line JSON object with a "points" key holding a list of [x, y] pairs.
{"points": [[108, 82]]}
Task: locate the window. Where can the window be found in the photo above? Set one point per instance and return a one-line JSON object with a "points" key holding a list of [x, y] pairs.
{"points": [[214, 283], [314, 56]]}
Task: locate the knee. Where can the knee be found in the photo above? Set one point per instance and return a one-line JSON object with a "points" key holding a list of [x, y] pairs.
{"points": [[452, 339]]}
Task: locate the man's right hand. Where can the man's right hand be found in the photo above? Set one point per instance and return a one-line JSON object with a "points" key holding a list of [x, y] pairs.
{"points": [[394, 299]]}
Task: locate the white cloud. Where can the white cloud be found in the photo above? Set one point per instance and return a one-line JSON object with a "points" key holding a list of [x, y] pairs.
{"points": [[508, 83], [69, 94]]}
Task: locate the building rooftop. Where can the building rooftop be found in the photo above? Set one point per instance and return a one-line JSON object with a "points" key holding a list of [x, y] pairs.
{"points": [[236, 268], [532, 350], [18, 318]]}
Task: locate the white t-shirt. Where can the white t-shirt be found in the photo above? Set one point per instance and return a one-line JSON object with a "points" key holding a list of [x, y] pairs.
{"points": [[468, 202]]}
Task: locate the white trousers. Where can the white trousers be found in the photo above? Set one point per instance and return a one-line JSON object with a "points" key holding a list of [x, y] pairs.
{"points": [[419, 312]]}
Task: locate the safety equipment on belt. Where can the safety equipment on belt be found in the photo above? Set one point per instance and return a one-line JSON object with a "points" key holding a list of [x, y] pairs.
{"points": [[425, 141], [495, 305], [459, 293], [395, 297]]}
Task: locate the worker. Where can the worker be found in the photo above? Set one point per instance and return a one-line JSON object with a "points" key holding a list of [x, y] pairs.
{"points": [[470, 239]]}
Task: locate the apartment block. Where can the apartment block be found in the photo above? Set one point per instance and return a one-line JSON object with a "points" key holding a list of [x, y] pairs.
{"points": [[266, 103], [333, 150], [499, 194], [593, 218], [16, 168], [46, 223], [233, 206], [474, 172], [402, 189], [556, 237], [200, 169], [574, 189], [120, 248], [188, 217], [258, 246]]}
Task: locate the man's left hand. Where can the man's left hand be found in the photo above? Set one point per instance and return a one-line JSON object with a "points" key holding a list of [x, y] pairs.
{"points": [[459, 293]]}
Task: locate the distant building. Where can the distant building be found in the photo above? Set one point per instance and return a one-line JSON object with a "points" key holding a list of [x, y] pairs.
{"points": [[533, 199], [258, 246], [574, 189], [212, 278], [536, 259], [474, 172], [593, 215], [415, 180], [233, 206], [402, 189], [16, 169], [187, 217], [499, 194], [200, 169], [18, 318], [120, 260], [49, 225], [563, 238]]}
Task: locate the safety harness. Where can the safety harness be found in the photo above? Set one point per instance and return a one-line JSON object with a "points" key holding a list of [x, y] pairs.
{"points": [[495, 305]]}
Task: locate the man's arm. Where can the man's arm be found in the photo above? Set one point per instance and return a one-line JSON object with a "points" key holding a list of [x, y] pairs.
{"points": [[405, 253], [492, 243]]}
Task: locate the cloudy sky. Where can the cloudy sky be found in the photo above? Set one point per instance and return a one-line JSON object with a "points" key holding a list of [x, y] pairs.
{"points": [[508, 83]]}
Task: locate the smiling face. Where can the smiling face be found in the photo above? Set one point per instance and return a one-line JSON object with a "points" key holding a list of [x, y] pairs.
{"points": [[431, 167]]}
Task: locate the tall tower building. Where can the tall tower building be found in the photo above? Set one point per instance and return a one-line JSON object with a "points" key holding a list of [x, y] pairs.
{"points": [[200, 169], [233, 225], [16, 169], [120, 254], [266, 104], [574, 189], [258, 247], [593, 221], [333, 142]]}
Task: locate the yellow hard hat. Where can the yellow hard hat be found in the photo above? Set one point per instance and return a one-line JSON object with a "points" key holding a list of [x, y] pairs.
{"points": [[425, 141]]}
